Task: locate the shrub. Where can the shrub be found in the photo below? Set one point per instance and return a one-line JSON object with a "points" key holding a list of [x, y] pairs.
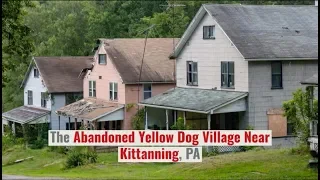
{"points": [[74, 159], [138, 120], [301, 149], [213, 152], [179, 125], [79, 156]]}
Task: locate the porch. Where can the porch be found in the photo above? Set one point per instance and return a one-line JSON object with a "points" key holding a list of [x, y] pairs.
{"points": [[201, 109], [92, 113], [17, 117]]}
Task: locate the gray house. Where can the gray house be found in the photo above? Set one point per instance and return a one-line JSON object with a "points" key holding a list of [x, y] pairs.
{"points": [[236, 64], [49, 84]]}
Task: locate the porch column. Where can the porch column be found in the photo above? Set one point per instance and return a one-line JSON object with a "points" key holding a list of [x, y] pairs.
{"points": [[184, 118], [69, 127], [14, 128], [146, 116], [175, 116], [167, 120], [59, 121], [75, 123], [209, 124]]}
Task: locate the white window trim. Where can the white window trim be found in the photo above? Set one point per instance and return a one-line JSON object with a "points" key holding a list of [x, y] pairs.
{"points": [[91, 88], [31, 97], [105, 59], [213, 31], [113, 90], [148, 90]]}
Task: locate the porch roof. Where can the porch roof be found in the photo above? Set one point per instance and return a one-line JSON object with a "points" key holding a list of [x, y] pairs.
{"points": [[313, 80], [194, 99], [89, 109], [25, 114]]}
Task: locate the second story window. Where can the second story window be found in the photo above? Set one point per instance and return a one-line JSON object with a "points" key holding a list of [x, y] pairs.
{"points": [[192, 73], [276, 74], [92, 88], [43, 100], [102, 59], [35, 73], [147, 91], [113, 91], [30, 98], [227, 74], [209, 32]]}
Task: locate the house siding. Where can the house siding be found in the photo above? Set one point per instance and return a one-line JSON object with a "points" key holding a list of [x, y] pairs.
{"points": [[132, 97], [262, 97], [209, 53], [108, 73], [58, 101], [36, 86]]}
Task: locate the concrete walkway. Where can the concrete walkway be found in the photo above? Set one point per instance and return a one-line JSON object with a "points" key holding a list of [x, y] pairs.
{"points": [[9, 177]]}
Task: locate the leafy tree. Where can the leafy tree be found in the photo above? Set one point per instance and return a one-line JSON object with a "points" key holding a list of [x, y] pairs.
{"points": [[299, 112]]}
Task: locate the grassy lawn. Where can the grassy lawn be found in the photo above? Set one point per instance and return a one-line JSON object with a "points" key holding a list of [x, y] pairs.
{"points": [[263, 164]]}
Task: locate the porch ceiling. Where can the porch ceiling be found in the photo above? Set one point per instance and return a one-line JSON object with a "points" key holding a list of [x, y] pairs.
{"points": [[194, 99], [89, 109], [25, 114]]}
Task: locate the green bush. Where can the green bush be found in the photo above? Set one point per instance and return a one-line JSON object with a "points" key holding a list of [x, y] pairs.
{"points": [[213, 152], [79, 156], [138, 120], [179, 125], [74, 159], [301, 149]]}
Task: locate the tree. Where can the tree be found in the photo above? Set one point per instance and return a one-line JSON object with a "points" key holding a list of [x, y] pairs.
{"points": [[17, 46], [299, 112]]}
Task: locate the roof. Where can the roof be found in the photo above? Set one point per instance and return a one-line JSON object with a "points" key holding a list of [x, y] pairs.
{"points": [[126, 55], [60, 74], [194, 99], [89, 108], [25, 114], [262, 32], [313, 80]]}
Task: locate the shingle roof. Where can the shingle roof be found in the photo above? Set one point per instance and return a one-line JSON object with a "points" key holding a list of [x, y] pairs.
{"points": [[25, 114], [313, 80], [60, 74], [89, 108], [127, 54], [202, 100], [265, 31]]}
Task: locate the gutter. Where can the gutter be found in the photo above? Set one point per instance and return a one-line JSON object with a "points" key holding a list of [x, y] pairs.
{"points": [[280, 59]]}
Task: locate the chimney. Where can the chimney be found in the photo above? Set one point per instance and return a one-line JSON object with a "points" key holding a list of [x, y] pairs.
{"points": [[316, 2]]}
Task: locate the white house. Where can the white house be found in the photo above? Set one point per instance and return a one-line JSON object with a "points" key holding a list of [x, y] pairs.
{"points": [[50, 83], [236, 64]]}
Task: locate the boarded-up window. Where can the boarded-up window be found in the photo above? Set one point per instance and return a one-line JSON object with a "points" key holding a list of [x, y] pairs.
{"points": [[277, 122]]}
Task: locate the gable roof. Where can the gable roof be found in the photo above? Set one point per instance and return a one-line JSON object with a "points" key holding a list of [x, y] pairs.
{"points": [[264, 32], [60, 74], [313, 80], [126, 55]]}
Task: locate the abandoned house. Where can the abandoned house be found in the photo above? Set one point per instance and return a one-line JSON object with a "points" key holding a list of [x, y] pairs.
{"points": [[119, 80], [49, 84], [235, 65]]}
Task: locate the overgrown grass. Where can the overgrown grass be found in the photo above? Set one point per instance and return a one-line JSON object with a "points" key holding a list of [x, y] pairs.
{"points": [[262, 164]]}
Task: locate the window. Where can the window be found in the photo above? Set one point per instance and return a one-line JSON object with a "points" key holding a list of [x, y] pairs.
{"points": [[30, 98], [290, 129], [92, 88], [113, 89], [208, 32], [73, 97], [227, 74], [35, 73], [43, 99], [102, 59], [192, 73], [276, 73], [147, 91]]}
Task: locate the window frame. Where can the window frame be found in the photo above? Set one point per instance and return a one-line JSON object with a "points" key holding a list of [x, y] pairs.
{"points": [[213, 28], [113, 91], [105, 59], [227, 74], [30, 97], [43, 100], [274, 74], [192, 82], [147, 91], [92, 89], [35, 73]]}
